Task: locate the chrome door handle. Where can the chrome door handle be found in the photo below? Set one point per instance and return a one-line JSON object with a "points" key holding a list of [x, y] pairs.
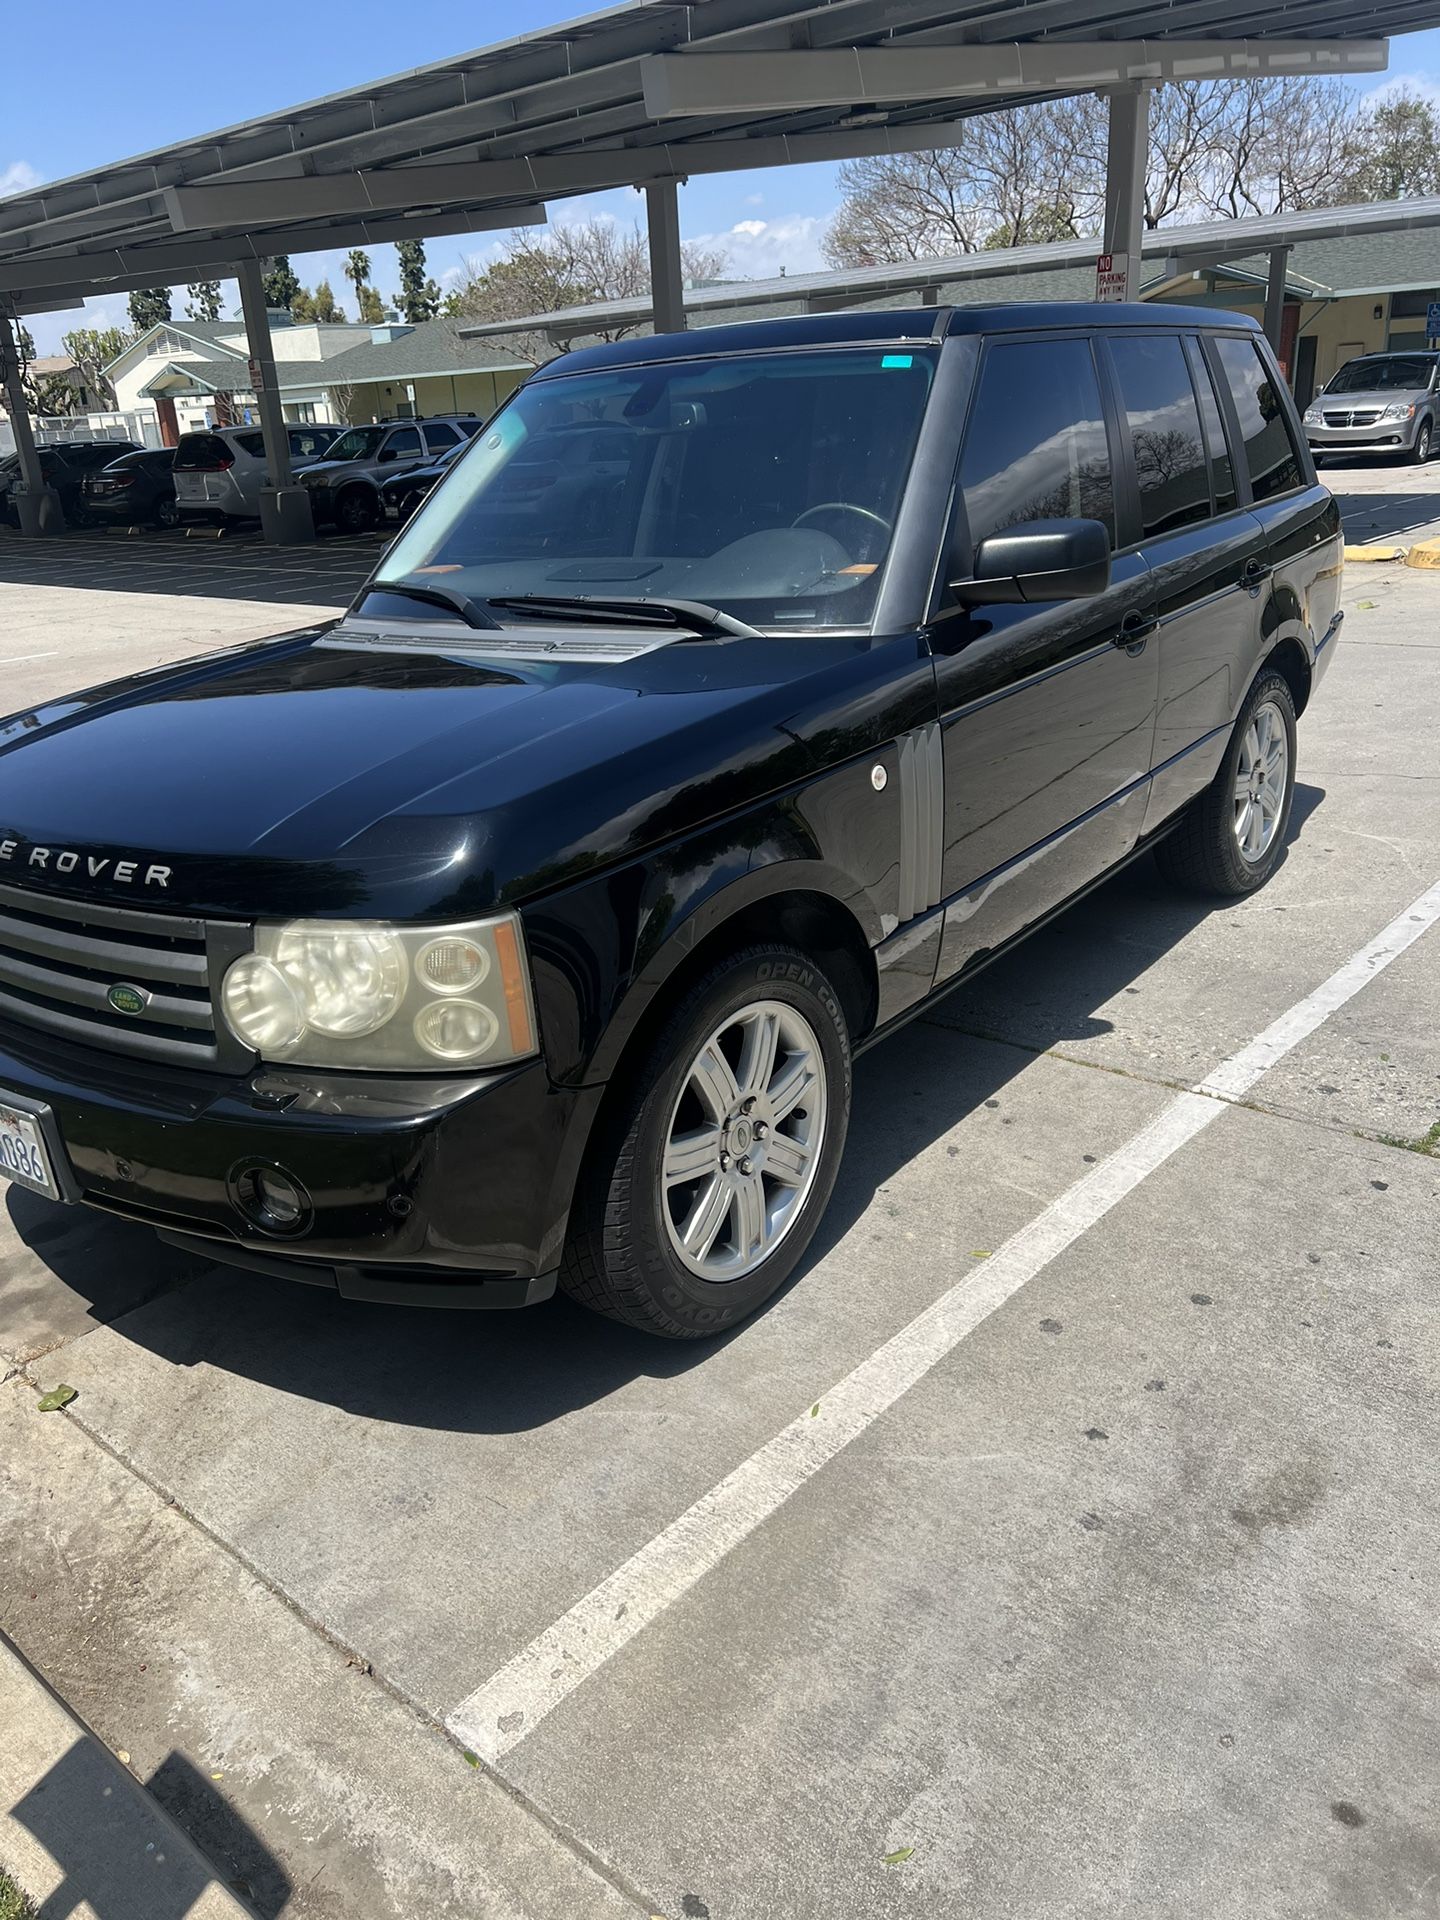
{"points": [[1256, 571]]}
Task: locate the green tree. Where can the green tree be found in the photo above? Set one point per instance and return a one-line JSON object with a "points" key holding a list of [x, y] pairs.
{"points": [[204, 300], [368, 304], [149, 306], [92, 349], [302, 307], [326, 307], [279, 281], [419, 297], [1395, 147]]}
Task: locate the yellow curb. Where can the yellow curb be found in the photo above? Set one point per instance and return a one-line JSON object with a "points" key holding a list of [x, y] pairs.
{"points": [[1425, 554], [1381, 553]]}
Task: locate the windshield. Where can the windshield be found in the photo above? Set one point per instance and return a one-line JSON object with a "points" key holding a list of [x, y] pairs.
{"points": [[763, 484], [1385, 372], [358, 444]]}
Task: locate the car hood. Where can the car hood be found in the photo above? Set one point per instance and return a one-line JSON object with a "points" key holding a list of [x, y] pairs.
{"points": [[334, 771]]}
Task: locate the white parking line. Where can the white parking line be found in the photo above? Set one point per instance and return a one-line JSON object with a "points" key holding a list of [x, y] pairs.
{"points": [[513, 1702], [14, 659]]}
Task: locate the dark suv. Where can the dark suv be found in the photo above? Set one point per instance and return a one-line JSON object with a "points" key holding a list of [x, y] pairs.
{"points": [[524, 923]]}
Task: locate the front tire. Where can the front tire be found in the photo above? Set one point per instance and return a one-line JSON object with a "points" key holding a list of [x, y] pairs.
{"points": [[1424, 439], [1231, 836], [714, 1169], [357, 511]]}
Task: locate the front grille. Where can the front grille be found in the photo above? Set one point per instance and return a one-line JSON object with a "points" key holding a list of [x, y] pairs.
{"points": [[1356, 417], [59, 958]]}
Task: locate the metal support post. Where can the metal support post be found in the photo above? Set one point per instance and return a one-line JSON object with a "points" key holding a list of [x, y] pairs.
{"points": [[285, 516], [1126, 157], [667, 284], [38, 505], [1275, 296]]}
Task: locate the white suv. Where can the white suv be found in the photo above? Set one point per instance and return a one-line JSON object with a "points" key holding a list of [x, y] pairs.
{"points": [[220, 471], [344, 487]]}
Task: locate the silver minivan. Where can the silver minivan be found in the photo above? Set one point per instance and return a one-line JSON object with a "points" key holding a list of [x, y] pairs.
{"points": [[1378, 403], [220, 471]]}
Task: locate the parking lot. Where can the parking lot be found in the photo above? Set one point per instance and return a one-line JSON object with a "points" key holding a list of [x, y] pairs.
{"points": [[1060, 1543]]}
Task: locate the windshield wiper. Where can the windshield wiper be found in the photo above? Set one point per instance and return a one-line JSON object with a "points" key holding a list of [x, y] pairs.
{"points": [[470, 611], [692, 616]]}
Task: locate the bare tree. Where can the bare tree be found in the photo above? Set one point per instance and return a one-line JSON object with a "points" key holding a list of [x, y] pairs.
{"points": [[567, 266], [1037, 172]]}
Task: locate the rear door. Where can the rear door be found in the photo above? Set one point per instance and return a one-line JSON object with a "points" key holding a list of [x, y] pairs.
{"points": [[1297, 573], [1205, 552], [1047, 710]]}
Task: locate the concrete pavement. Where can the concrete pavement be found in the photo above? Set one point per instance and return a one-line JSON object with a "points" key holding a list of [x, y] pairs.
{"points": [[1122, 1607]]}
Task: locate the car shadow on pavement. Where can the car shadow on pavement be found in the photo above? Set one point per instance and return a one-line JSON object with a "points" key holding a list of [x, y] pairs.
{"points": [[1377, 517], [512, 1372]]}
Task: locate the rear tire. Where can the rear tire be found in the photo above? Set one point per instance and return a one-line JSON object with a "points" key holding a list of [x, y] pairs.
{"points": [[1231, 836], [725, 1137]]}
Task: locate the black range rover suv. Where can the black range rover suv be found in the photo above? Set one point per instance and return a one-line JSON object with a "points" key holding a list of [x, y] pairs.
{"points": [[523, 924]]}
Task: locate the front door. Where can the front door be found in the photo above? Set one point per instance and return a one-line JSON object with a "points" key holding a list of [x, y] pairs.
{"points": [[1047, 711]]}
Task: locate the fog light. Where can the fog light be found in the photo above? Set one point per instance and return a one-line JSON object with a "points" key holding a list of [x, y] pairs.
{"points": [[272, 1200]]}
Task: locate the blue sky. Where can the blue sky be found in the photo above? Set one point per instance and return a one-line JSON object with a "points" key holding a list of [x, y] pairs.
{"points": [[125, 95]]}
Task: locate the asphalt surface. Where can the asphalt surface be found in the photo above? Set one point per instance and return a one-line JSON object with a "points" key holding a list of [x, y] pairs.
{"points": [[1119, 1599]]}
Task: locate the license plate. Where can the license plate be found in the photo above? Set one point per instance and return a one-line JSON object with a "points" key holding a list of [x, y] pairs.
{"points": [[23, 1154]]}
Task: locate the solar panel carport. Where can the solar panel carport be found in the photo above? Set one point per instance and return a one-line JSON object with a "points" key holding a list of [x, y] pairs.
{"points": [[644, 95]]}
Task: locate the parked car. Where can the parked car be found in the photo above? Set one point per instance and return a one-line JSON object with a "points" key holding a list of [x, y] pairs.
{"points": [[345, 486], [220, 471], [1380, 403], [66, 468], [138, 489], [402, 493], [523, 924]]}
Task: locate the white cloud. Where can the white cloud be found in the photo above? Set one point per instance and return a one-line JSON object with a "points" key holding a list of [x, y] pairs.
{"points": [[762, 249], [754, 199], [17, 177], [1396, 83]]}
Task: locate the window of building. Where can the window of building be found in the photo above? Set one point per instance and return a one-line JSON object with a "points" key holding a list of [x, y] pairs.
{"points": [[1036, 447], [1270, 452], [1165, 432]]}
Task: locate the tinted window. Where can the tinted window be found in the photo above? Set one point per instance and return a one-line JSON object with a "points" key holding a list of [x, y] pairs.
{"points": [[438, 437], [1165, 433], [1036, 446], [407, 440], [199, 452], [469, 427], [251, 443], [1395, 372], [307, 442], [1222, 472], [1269, 452]]}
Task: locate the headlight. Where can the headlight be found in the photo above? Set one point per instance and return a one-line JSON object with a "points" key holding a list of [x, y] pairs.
{"points": [[1313, 417], [356, 993], [1397, 410]]}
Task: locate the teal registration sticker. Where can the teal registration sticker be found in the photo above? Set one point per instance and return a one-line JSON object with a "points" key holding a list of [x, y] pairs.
{"points": [[898, 360]]}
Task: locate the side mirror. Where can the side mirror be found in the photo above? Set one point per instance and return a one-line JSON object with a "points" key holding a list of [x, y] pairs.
{"points": [[386, 455], [1041, 560]]}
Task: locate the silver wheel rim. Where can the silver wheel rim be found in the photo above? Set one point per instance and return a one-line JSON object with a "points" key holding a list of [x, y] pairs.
{"points": [[1260, 777], [743, 1143]]}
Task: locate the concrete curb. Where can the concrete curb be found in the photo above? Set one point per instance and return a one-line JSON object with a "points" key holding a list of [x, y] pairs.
{"points": [[1425, 553], [78, 1829], [1376, 553]]}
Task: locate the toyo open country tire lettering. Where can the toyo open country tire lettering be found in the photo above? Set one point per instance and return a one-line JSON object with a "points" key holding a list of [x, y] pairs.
{"points": [[1231, 837], [714, 1164]]}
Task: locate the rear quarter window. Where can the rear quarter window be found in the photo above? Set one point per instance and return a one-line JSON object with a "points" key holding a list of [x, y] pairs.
{"points": [[198, 452], [1268, 449]]}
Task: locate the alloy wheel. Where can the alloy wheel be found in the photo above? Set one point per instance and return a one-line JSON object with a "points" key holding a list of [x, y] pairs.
{"points": [[744, 1141], [1260, 780]]}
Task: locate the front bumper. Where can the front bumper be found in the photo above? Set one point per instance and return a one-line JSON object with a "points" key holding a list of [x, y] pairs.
{"points": [[438, 1190], [1390, 436]]}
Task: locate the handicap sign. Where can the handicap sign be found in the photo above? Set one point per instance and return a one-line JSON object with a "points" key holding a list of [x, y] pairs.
{"points": [[1432, 320]]}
